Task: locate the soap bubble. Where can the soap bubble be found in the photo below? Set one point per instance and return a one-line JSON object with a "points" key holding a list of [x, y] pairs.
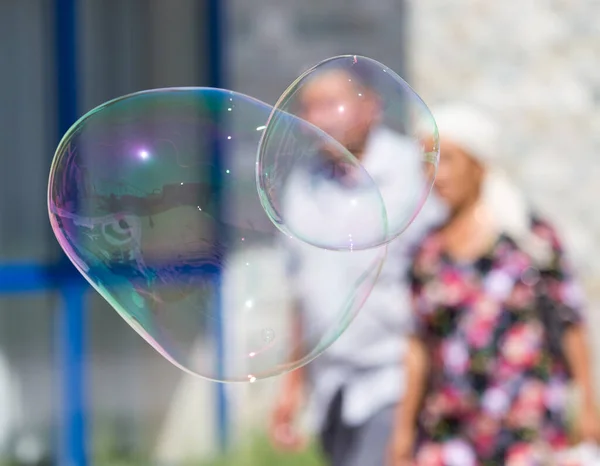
{"points": [[153, 197], [386, 153]]}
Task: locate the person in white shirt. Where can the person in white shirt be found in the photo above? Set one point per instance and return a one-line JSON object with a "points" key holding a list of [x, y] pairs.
{"points": [[356, 385]]}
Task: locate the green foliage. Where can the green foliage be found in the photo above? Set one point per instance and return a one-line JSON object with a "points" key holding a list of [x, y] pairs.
{"points": [[260, 453], [255, 453]]}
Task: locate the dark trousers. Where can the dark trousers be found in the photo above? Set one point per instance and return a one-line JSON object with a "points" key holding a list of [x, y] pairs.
{"points": [[363, 445]]}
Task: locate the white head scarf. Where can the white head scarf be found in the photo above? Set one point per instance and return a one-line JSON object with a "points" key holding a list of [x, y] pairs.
{"points": [[502, 203]]}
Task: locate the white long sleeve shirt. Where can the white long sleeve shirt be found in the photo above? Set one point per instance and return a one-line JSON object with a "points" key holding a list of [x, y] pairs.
{"points": [[366, 360]]}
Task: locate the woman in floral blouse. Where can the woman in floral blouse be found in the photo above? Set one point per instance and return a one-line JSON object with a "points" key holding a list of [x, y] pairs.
{"points": [[499, 332]]}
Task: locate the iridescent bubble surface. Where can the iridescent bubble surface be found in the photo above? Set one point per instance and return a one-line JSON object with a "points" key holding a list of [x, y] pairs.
{"points": [[385, 154], [153, 197]]}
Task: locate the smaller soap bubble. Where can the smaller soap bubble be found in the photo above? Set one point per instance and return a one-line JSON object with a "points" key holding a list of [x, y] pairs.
{"points": [[366, 175]]}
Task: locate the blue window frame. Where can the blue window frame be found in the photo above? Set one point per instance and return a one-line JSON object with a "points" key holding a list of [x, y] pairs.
{"points": [[73, 435]]}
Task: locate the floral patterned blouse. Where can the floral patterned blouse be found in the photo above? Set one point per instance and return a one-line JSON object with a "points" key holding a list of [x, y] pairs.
{"points": [[497, 387]]}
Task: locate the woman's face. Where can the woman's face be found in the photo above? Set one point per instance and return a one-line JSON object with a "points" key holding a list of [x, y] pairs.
{"points": [[459, 176]]}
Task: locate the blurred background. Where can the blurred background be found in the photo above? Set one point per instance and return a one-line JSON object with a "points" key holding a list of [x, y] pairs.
{"points": [[77, 385]]}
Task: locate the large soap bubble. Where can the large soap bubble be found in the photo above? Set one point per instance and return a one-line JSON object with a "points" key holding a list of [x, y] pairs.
{"points": [[384, 158], [153, 197]]}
